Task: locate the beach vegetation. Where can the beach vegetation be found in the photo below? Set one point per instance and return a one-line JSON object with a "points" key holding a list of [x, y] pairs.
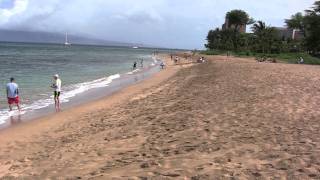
{"points": [[237, 18], [267, 40]]}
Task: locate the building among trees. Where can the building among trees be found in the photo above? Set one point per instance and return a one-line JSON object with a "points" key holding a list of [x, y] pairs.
{"points": [[289, 33], [227, 25]]}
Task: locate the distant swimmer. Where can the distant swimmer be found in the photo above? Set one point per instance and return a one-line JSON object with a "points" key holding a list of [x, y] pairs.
{"points": [[134, 65], [57, 91], [13, 94]]}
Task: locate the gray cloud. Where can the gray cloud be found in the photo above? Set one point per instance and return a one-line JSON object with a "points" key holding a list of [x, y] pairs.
{"points": [[169, 23]]}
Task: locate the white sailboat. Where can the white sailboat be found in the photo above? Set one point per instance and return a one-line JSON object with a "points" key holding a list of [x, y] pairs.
{"points": [[66, 43]]}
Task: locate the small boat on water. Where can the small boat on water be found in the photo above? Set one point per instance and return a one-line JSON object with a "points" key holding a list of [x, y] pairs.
{"points": [[135, 47], [66, 43]]}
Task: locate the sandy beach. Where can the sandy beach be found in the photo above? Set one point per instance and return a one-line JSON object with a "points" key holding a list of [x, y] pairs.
{"points": [[229, 118]]}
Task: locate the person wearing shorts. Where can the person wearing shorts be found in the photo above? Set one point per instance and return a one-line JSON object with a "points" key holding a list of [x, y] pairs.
{"points": [[13, 94], [134, 67], [57, 90], [162, 65], [56, 94]]}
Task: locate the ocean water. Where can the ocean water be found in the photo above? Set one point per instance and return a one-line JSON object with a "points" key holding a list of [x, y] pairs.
{"points": [[80, 67]]}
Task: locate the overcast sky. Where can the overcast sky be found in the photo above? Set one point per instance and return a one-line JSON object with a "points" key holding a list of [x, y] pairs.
{"points": [[166, 23]]}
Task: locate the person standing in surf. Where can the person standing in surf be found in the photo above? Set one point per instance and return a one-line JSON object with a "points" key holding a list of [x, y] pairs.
{"points": [[13, 94], [134, 65], [162, 65], [57, 91]]}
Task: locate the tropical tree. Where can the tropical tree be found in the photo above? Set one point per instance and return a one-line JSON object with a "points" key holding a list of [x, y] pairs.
{"points": [[267, 39], [316, 7], [297, 21], [238, 18], [213, 39], [312, 21], [258, 27], [220, 39], [227, 40], [264, 39]]}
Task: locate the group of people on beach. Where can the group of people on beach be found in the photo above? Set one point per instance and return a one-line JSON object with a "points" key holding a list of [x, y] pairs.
{"points": [[12, 90], [135, 64], [13, 97], [176, 59], [201, 60]]}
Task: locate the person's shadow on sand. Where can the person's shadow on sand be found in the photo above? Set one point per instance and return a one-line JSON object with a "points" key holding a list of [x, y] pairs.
{"points": [[136, 78], [15, 119]]}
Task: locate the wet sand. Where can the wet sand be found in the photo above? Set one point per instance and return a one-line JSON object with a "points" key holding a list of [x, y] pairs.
{"points": [[230, 118]]}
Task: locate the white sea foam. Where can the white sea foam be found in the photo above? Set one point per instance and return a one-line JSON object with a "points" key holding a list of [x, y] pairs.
{"points": [[155, 61], [65, 96], [83, 87], [134, 71]]}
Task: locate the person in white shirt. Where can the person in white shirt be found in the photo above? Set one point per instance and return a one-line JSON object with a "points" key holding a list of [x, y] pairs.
{"points": [[57, 90], [301, 60], [13, 94]]}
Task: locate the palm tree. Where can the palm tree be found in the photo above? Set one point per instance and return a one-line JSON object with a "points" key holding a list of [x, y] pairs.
{"points": [[238, 18], [265, 36], [258, 27], [213, 39], [297, 21], [312, 21], [317, 6]]}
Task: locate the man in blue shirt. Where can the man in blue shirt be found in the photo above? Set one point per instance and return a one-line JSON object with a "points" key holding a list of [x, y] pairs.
{"points": [[13, 94]]}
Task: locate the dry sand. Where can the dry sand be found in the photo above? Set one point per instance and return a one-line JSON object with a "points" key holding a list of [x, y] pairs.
{"points": [[230, 118]]}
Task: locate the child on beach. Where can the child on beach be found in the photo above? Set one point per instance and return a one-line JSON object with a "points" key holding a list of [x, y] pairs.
{"points": [[162, 65], [13, 94], [57, 90]]}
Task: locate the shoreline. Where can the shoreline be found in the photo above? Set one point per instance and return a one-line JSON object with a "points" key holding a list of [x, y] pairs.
{"points": [[227, 118], [37, 125], [124, 80]]}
